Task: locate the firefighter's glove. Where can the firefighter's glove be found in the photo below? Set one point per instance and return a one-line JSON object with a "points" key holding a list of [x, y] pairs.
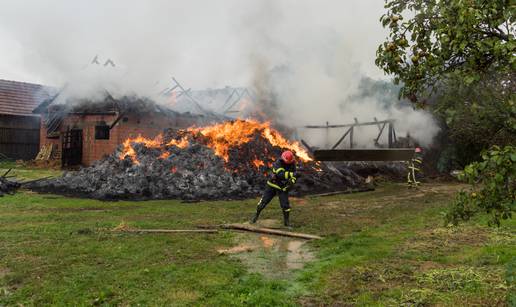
{"points": [[293, 180]]}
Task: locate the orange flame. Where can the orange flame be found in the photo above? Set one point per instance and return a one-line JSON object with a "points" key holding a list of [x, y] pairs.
{"points": [[225, 135], [182, 143], [221, 138], [129, 150], [258, 163]]}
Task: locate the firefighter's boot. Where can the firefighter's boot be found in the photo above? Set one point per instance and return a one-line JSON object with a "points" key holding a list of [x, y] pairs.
{"points": [[259, 209], [286, 218]]}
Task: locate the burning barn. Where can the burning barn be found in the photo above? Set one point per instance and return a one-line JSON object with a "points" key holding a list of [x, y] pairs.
{"points": [[137, 149], [80, 131]]}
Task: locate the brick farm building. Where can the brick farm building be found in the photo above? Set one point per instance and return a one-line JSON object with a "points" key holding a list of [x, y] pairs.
{"points": [[81, 132]]}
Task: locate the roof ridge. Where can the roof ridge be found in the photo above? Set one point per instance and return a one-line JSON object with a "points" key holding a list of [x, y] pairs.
{"points": [[27, 83]]}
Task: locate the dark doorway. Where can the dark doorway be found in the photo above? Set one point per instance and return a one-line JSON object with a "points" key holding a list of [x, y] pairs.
{"points": [[72, 148]]}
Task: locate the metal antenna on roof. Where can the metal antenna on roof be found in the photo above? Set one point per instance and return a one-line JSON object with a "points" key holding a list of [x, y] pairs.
{"points": [[95, 60], [109, 62]]}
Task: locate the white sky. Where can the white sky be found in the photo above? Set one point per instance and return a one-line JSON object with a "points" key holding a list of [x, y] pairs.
{"points": [[202, 43]]}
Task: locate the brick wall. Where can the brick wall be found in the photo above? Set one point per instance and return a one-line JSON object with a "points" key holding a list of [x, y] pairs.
{"points": [[130, 126]]}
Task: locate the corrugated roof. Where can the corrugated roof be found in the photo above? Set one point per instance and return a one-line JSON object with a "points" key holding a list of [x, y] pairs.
{"points": [[20, 98]]}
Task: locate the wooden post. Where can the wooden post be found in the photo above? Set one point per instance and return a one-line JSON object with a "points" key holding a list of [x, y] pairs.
{"points": [[327, 135], [378, 125], [390, 135], [379, 135], [342, 138], [351, 137], [394, 134]]}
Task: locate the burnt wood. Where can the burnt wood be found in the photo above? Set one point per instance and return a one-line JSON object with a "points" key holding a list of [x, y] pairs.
{"points": [[387, 154]]}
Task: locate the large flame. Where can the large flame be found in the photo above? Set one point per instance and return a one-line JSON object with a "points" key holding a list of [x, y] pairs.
{"points": [[221, 138], [225, 135]]}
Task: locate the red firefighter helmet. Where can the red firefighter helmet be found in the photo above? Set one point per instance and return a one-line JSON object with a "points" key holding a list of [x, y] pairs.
{"points": [[288, 157], [418, 150]]}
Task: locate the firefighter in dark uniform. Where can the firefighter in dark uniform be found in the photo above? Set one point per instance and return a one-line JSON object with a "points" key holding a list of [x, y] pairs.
{"points": [[282, 178]]}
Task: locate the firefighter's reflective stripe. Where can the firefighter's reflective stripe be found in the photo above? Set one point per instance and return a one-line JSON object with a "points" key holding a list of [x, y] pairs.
{"points": [[414, 168], [273, 185], [418, 160], [287, 174], [287, 210], [277, 170]]}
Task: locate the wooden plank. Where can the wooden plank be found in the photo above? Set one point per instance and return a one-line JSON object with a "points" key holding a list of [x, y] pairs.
{"points": [[348, 125], [169, 230], [342, 138], [271, 231], [380, 134], [384, 154], [350, 191]]}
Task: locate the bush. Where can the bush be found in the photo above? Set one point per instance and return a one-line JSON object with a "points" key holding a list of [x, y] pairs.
{"points": [[493, 190]]}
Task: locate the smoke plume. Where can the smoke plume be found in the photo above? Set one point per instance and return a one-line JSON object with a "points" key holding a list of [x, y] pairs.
{"points": [[303, 59]]}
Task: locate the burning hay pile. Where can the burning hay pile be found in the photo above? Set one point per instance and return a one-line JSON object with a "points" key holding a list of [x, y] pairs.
{"points": [[224, 161]]}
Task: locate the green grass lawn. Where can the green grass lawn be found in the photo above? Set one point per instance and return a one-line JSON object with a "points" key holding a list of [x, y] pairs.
{"points": [[383, 248], [26, 173]]}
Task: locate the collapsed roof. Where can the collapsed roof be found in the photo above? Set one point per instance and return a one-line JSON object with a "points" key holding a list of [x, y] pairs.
{"points": [[226, 102], [57, 108]]}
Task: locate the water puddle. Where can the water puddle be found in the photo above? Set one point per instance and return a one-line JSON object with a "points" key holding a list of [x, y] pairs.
{"points": [[272, 256]]}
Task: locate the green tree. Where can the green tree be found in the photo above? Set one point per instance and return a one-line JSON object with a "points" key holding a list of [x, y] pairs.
{"points": [[430, 39], [475, 116], [493, 182]]}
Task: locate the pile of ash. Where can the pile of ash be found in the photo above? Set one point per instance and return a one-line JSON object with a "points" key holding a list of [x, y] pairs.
{"points": [[225, 161], [8, 186]]}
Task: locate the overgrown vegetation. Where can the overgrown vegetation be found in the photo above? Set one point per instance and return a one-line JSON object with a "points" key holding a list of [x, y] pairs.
{"points": [[494, 187]]}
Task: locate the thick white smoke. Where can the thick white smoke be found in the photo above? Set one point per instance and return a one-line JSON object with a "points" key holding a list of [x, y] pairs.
{"points": [[311, 54]]}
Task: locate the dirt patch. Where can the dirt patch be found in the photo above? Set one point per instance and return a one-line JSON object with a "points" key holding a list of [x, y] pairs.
{"points": [[269, 223], [236, 249], [298, 201], [267, 242], [4, 272]]}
